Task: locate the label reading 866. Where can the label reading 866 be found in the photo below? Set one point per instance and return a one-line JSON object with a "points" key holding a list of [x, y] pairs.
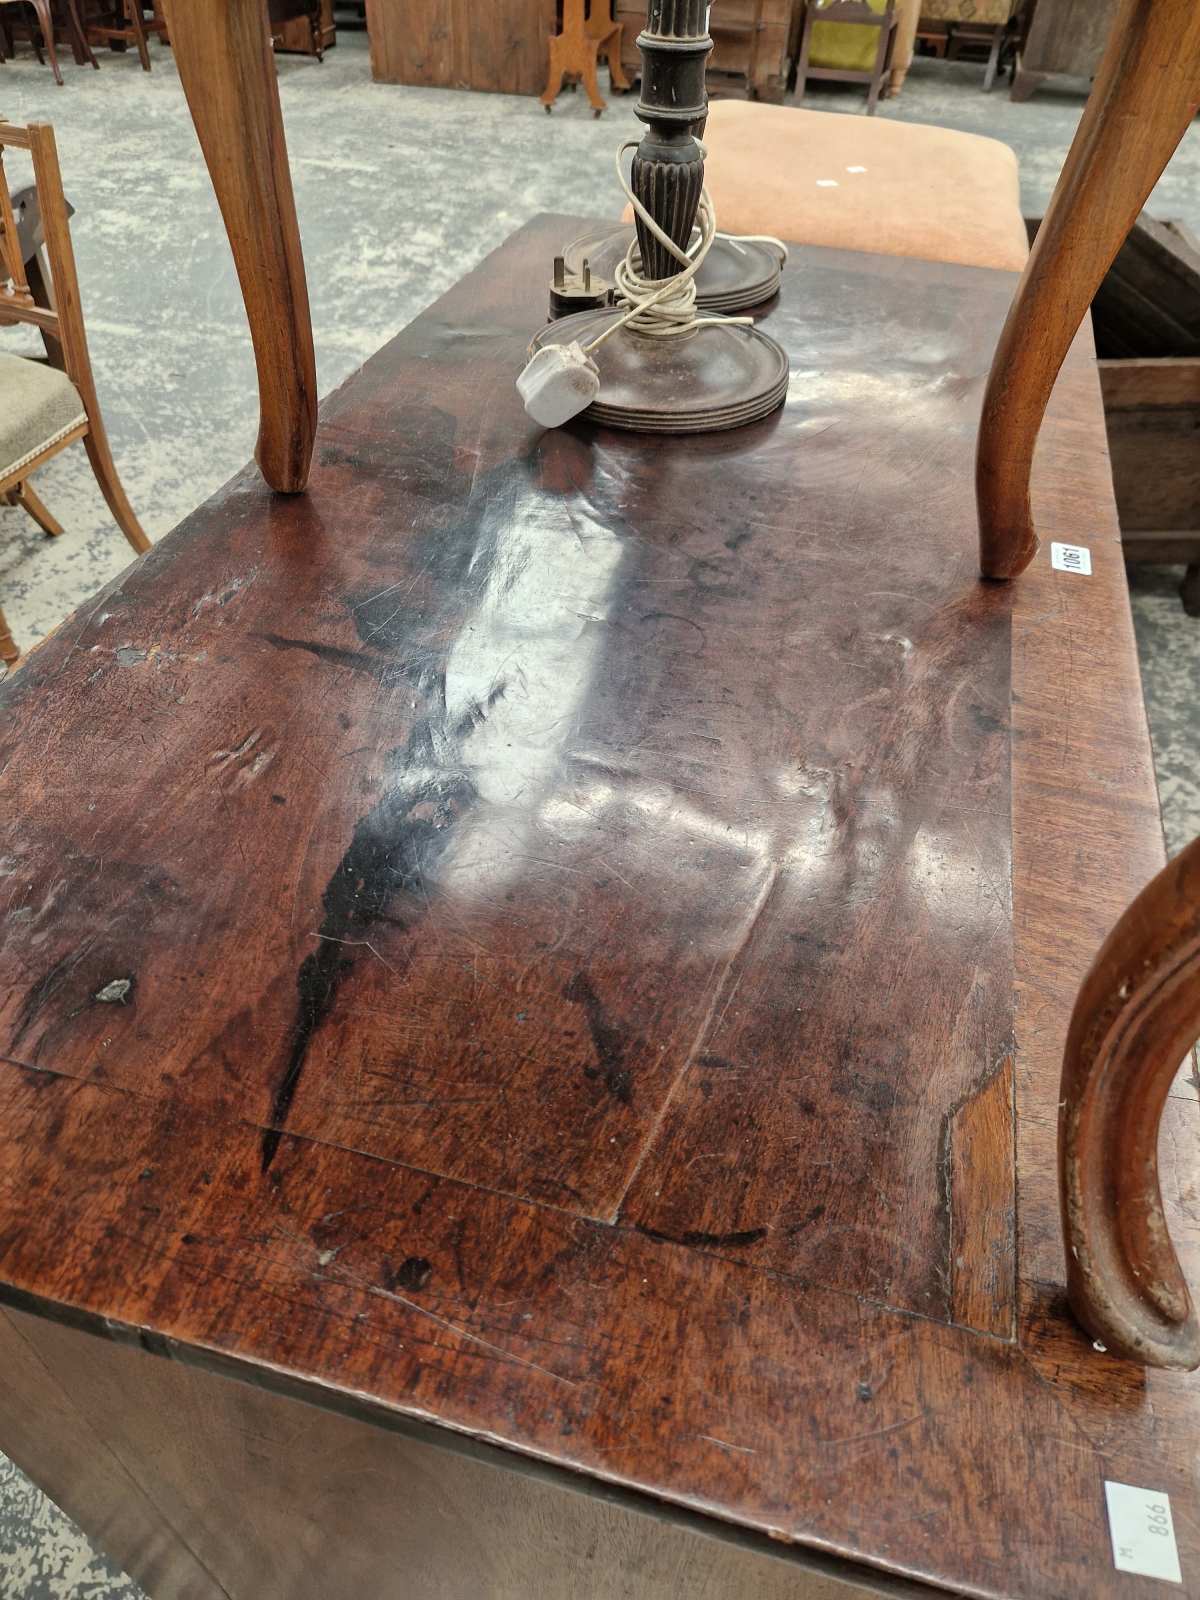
{"points": [[1143, 1535]]}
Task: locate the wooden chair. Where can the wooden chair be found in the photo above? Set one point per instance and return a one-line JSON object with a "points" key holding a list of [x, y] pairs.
{"points": [[1139, 1009], [856, 12], [574, 51], [45, 406], [120, 23], [949, 25], [43, 30]]}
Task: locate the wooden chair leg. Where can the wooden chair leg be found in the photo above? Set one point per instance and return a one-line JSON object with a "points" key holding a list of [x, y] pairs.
{"points": [[1149, 80], [595, 98], [554, 78], [22, 495], [882, 58], [228, 74], [8, 649], [46, 24], [802, 58], [96, 445], [989, 76], [37, 49], [81, 34], [616, 72], [137, 23]]}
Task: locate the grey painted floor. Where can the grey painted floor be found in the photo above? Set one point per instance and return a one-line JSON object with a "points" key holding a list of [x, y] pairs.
{"points": [[399, 192]]}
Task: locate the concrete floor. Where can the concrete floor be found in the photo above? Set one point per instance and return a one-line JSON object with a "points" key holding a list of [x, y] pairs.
{"points": [[399, 191]]}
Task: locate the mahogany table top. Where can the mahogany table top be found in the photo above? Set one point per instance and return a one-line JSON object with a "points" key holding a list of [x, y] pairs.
{"points": [[570, 937]]}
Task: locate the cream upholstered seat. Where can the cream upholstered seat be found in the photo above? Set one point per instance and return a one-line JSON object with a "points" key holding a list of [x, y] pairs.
{"points": [[39, 407], [857, 183]]}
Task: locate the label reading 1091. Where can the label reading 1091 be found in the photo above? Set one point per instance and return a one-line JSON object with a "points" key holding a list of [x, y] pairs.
{"points": [[1143, 1535]]}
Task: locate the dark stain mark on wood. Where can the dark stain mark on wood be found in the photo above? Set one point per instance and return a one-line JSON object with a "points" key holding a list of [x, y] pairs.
{"points": [[388, 672], [393, 847], [414, 1273], [618, 1079]]}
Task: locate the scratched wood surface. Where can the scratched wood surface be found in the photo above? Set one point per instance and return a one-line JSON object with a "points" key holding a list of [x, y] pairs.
{"points": [[525, 934]]}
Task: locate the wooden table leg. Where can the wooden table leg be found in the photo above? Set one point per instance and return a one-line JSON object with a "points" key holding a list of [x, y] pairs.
{"points": [[228, 73], [1145, 95]]}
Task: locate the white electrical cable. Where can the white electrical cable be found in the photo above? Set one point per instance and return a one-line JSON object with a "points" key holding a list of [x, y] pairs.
{"points": [[561, 380], [663, 308]]}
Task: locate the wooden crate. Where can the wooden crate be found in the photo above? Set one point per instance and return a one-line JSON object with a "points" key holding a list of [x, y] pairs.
{"points": [[454, 44], [750, 44], [1064, 36], [1152, 410]]}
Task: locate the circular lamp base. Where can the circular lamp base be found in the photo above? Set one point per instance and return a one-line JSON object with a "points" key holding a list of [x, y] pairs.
{"points": [[713, 378], [735, 275]]}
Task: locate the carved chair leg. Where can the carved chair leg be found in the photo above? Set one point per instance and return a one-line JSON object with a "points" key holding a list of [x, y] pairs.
{"points": [[989, 76], [228, 74], [555, 77], [1137, 1014], [616, 72], [137, 23], [595, 98], [1149, 81], [96, 445], [22, 495], [46, 24]]}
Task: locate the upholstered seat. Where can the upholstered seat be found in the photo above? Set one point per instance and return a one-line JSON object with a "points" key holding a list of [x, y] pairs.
{"points": [[888, 187], [39, 406]]}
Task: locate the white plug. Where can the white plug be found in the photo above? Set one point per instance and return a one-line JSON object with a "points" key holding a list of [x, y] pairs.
{"points": [[558, 384]]}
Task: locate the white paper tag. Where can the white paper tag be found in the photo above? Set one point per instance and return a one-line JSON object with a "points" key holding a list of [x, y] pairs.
{"points": [[1071, 558], [1143, 1535]]}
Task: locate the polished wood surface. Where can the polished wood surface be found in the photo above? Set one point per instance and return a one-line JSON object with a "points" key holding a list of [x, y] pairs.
{"points": [[207, 1489], [1137, 1014], [1149, 82], [225, 63], [560, 984]]}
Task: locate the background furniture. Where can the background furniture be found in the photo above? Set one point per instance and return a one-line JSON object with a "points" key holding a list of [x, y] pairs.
{"points": [[950, 25], [47, 407], [751, 54], [302, 27], [873, 20], [575, 48], [35, 20], [1064, 36], [118, 23], [454, 44]]}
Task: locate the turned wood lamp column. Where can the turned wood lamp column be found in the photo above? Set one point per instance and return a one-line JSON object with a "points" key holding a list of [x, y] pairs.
{"points": [[668, 165]]}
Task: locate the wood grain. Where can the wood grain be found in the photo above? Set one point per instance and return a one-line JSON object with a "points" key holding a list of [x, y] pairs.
{"points": [[223, 53], [1149, 81], [338, 1112]]}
